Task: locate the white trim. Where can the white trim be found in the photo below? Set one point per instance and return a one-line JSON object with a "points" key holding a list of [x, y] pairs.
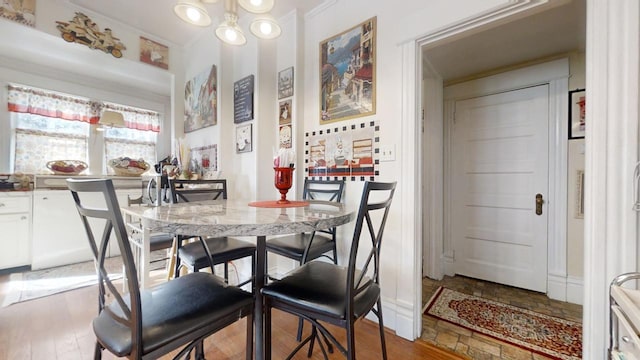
{"points": [[433, 196], [489, 18], [575, 290], [611, 151], [410, 190]]}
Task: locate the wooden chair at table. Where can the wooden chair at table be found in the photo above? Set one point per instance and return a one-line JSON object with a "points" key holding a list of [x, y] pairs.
{"points": [[149, 323], [306, 247], [320, 291], [224, 249]]}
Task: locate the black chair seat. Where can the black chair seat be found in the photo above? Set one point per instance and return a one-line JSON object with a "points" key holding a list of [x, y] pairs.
{"points": [[168, 316], [294, 246], [222, 250], [160, 241], [319, 287]]}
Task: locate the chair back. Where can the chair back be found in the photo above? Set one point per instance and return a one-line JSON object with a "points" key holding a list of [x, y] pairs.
{"points": [[372, 216], [197, 190], [330, 190], [108, 209]]}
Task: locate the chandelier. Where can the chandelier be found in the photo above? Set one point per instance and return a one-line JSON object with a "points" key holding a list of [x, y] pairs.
{"points": [[263, 26]]}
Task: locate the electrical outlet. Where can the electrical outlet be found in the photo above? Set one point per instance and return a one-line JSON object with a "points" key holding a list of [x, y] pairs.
{"points": [[388, 153]]}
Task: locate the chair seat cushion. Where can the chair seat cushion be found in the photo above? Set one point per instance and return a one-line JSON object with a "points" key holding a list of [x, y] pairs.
{"points": [[160, 241], [222, 250], [320, 287], [187, 305], [293, 246]]}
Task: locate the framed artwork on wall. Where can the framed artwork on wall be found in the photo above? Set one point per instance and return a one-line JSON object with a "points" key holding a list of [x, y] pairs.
{"points": [[284, 112], [243, 100], [201, 101], [343, 152], [348, 74], [244, 138], [577, 119], [285, 83], [154, 53]]}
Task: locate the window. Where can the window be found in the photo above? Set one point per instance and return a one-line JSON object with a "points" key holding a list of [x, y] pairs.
{"points": [[52, 126]]}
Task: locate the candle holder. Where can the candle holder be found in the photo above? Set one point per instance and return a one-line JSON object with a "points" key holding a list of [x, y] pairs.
{"points": [[283, 181]]}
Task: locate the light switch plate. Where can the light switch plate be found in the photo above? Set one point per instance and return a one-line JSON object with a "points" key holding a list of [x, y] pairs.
{"points": [[387, 153]]}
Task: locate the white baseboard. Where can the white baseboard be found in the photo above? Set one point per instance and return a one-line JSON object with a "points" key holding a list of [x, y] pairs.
{"points": [[557, 287], [575, 290]]}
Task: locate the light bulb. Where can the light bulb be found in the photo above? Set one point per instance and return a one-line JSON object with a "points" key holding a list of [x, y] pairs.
{"points": [[266, 28], [256, 2], [231, 35], [193, 14]]}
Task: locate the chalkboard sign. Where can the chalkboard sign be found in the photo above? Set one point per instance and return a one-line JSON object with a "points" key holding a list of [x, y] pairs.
{"points": [[243, 100]]}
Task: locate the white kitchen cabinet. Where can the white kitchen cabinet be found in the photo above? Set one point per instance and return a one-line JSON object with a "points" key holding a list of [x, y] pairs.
{"points": [[59, 237], [15, 222]]}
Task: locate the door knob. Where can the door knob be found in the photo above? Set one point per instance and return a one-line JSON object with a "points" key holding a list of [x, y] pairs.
{"points": [[539, 202]]}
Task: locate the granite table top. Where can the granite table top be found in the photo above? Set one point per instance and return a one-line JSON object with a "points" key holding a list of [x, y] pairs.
{"points": [[236, 218]]}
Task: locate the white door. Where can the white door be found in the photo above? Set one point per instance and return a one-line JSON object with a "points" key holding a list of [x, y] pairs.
{"points": [[499, 166]]}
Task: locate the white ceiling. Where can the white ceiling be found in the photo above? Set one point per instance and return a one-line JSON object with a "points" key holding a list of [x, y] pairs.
{"points": [[156, 17], [551, 32]]}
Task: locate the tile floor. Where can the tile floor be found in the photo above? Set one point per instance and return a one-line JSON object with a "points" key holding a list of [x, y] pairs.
{"points": [[478, 346]]}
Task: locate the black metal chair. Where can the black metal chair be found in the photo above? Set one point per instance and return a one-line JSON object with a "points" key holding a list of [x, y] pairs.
{"points": [[310, 246], [320, 291], [149, 323], [223, 250]]}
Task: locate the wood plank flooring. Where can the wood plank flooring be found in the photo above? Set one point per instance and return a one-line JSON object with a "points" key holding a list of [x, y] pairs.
{"points": [[58, 327]]}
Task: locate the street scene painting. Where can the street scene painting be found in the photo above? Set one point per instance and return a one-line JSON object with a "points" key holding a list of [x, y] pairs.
{"points": [[346, 152], [348, 74], [201, 100]]}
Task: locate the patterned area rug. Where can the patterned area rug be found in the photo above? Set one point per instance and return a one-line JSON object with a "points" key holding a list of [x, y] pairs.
{"points": [[553, 337], [36, 284]]}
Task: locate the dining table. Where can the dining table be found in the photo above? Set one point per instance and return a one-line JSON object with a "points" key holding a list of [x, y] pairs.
{"points": [[221, 218]]}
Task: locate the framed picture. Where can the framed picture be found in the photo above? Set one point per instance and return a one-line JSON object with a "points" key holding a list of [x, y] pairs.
{"points": [[577, 114], [348, 74], [243, 100], [284, 112], [154, 53], [285, 83], [201, 101], [244, 138]]}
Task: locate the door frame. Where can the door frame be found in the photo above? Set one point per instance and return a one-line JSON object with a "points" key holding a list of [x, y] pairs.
{"points": [[555, 75]]}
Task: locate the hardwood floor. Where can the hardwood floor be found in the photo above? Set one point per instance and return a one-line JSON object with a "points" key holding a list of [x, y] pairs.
{"points": [[58, 327]]}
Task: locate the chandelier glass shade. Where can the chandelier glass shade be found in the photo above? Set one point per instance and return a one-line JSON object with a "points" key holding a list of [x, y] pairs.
{"points": [[263, 26], [193, 12], [229, 31]]}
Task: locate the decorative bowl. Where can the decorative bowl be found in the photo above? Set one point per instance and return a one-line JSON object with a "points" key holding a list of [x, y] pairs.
{"points": [[126, 166], [67, 167]]}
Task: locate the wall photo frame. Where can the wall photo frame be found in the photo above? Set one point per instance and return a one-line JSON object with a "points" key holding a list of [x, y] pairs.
{"points": [[244, 138], [285, 83], [154, 53], [348, 74], [243, 99], [201, 101], [577, 124]]}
